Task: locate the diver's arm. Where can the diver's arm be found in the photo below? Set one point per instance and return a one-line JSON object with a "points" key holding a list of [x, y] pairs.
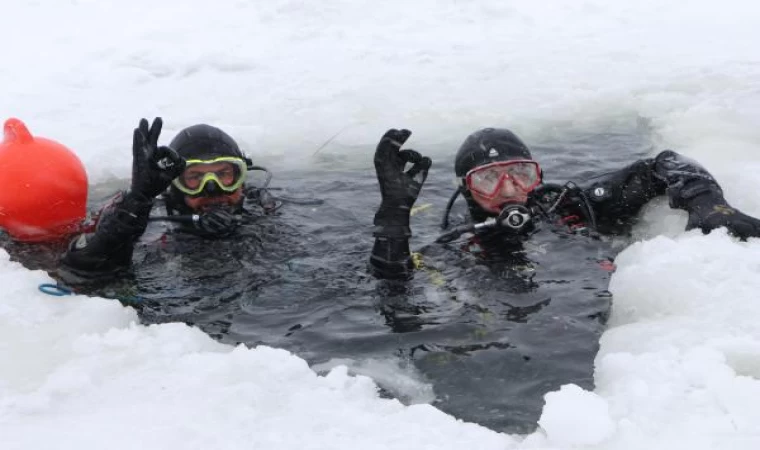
{"points": [[692, 188], [390, 257], [123, 221], [110, 247], [617, 197]]}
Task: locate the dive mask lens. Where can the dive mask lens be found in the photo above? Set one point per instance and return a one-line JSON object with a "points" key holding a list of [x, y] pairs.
{"points": [[227, 172], [488, 180]]}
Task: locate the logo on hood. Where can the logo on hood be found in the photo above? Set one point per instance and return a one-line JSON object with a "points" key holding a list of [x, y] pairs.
{"points": [[493, 153]]}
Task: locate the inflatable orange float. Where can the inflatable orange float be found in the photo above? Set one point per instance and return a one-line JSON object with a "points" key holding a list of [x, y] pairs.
{"points": [[43, 189]]}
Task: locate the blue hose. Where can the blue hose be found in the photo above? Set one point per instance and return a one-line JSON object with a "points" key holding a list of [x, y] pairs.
{"points": [[55, 289]]}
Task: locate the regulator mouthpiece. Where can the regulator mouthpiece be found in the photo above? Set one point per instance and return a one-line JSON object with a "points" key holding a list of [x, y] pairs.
{"points": [[515, 217]]}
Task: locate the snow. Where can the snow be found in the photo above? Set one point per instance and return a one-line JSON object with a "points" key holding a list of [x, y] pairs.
{"points": [[678, 366], [566, 427]]}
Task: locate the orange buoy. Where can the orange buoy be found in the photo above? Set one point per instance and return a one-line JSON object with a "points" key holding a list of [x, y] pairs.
{"points": [[43, 196]]}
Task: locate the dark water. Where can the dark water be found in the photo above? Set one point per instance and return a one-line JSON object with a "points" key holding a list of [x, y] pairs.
{"points": [[491, 340]]}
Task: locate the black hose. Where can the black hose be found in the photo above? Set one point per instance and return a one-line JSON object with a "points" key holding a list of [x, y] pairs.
{"points": [[263, 169], [301, 201], [589, 210], [454, 233], [449, 205], [179, 218]]}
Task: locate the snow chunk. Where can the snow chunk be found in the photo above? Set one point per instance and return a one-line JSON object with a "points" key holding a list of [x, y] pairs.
{"points": [[574, 417]]}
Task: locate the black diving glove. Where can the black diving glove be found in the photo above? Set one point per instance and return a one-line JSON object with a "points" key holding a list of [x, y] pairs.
{"points": [[692, 188], [399, 189], [153, 167], [708, 214], [217, 223]]}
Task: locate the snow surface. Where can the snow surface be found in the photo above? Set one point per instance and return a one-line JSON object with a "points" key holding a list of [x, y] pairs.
{"points": [[680, 363]]}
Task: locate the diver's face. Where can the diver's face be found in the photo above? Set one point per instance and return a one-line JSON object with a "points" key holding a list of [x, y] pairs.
{"points": [[205, 203], [508, 193], [496, 184], [224, 175]]}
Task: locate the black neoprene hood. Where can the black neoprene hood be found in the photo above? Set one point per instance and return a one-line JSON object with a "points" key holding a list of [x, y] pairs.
{"points": [[480, 148], [204, 142], [486, 146]]}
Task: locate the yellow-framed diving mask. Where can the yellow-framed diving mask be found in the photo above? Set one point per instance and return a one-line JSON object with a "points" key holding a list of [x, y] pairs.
{"points": [[227, 172]]}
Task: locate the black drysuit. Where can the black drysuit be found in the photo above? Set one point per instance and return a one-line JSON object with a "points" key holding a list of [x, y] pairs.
{"points": [[503, 322]]}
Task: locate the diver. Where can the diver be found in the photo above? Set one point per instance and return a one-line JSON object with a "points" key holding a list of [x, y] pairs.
{"points": [[200, 177], [507, 197], [510, 304]]}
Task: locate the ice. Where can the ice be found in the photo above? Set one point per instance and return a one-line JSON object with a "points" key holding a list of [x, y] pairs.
{"points": [[678, 366]]}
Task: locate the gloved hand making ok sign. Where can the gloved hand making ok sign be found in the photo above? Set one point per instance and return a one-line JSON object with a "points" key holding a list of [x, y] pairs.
{"points": [[399, 188], [153, 167]]}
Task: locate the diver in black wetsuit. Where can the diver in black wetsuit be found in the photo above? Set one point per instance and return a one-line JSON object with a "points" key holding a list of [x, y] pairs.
{"points": [[201, 178], [515, 310], [507, 199]]}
